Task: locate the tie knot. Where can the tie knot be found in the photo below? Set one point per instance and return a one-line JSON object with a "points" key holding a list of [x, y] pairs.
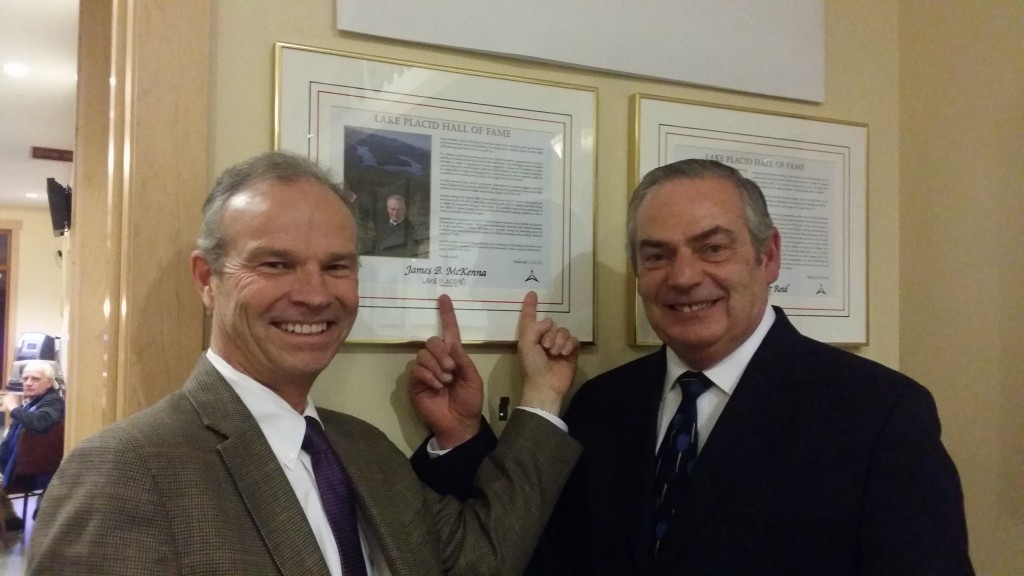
{"points": [[693, 384], [315, 441]]}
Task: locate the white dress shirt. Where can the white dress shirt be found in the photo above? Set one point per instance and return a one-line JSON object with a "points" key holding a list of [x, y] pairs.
{"points": [[284, 429], [723, 375]]}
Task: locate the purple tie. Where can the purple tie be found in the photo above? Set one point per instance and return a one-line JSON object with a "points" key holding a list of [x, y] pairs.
{"points": [[336, 495]]}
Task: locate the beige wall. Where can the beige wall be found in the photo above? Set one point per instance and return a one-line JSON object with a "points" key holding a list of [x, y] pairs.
{"points": [[962, 244], [876, 50], [38, 304], [369, 380]]}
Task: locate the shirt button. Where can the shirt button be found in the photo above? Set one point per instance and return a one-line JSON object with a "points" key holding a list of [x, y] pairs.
{"points": [[290, 457]]}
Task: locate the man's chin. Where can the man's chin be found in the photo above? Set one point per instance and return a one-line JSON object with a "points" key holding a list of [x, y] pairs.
{"points": [[688, 337], [311, 364]]}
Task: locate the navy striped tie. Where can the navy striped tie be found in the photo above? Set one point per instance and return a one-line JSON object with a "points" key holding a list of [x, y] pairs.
{"points": [[337, 497], [677, 454]]}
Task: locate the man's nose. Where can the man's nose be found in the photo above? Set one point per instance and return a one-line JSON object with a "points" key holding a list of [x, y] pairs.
{"points": [[311, 288], [687, 271]]}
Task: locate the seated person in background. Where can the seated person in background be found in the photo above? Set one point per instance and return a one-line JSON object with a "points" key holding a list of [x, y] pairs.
{"points": [[44, 410]]}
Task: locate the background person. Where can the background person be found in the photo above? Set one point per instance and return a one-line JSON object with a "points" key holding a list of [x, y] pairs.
{"points": [[224, 476], [43, 411], [808, 459]]}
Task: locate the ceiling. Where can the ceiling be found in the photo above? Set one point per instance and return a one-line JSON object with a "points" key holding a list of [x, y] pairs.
{"points": [[39, 109]]}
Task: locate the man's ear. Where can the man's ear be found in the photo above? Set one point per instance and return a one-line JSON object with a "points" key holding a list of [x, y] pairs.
{"points": [[771, 257], [202, 275]]}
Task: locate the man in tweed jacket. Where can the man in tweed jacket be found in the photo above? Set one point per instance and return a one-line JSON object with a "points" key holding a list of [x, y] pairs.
{"points": [[212, 480]]}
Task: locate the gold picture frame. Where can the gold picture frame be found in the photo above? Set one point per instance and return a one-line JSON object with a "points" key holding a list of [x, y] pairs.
{"points": [[493, 177], [813, 172]]}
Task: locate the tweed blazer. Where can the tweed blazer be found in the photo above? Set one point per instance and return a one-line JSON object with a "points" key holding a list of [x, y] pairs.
{"points": [[191, 486]]}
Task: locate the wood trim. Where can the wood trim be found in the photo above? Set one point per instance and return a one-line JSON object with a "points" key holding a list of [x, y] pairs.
{"points": [[14, 227], [135, 323]]}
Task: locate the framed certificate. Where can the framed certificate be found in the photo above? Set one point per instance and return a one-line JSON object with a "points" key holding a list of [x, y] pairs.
{"points": [[477, 186], [813, 173]]}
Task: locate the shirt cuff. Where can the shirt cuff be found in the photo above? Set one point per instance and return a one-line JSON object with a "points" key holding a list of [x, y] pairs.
{"points": [[433, 450], [547, 416]]}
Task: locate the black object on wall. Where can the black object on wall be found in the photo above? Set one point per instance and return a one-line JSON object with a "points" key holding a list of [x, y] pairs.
{"points": [[59, 197]]}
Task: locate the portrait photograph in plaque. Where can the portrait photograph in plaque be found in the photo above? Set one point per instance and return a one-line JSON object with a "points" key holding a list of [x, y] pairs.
{"points": [[813, 173], [474, 185]]}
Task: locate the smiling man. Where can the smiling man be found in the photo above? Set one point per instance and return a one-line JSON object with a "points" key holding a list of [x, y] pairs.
{"points": [[238, 472], [741, 447]]}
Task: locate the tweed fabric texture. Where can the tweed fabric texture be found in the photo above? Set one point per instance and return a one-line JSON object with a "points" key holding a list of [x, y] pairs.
{"points": [[191, 486]]}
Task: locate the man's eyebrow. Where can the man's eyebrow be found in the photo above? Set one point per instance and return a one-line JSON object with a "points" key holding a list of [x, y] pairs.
{"points": [[711, 233], [729, 234], [648, 243], [269, 252], [347, 255]]}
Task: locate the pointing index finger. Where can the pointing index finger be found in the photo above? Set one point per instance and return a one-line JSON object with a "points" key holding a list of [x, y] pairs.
{"points": [[449, 323], [528, 314]]}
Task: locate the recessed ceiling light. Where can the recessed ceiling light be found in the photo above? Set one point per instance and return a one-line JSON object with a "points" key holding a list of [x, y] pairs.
{"points": [[16, 69]]}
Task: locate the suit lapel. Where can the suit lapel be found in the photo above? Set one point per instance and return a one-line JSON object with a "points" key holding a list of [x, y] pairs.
{"points": [[763, 401], [258, 477]]}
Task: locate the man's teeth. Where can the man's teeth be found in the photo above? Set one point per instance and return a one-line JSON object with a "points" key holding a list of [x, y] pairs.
{"points": [[693, 307], [304, 328]]}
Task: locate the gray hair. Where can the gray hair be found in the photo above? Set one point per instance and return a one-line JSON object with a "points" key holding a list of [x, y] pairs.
{"points": [[47, 369], [275, 166], [759, 222]]}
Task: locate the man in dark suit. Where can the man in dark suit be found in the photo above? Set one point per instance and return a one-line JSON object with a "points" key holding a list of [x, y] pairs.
{"points": [[238, 472], [44, 410], [808, 459], [396, 236]]}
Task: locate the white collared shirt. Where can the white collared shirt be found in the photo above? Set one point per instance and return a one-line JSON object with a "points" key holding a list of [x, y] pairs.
{"points": [[284, 429], [725, 375]]}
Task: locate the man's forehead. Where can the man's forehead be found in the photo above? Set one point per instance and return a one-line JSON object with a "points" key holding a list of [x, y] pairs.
{"points": [[261, 190], [247, 239], [703, 187], [693, 196], [260, 194], [276, 199], [252, 197]]}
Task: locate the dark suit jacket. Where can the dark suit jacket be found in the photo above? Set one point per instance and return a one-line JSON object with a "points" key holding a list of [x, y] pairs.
{"points": [[40, 414], [821, 463], [191, 486], [398, 240]]}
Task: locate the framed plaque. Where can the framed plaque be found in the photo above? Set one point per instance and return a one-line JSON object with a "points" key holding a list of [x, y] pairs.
{"points": [[813, 173], [478, 186]]}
